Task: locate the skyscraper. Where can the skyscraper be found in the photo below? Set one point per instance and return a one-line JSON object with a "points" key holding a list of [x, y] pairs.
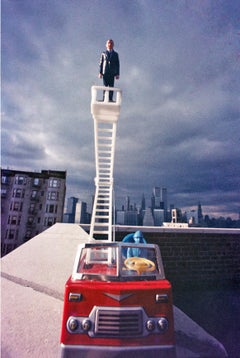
{"points": [[69, 216], [159, 200], [164, 201]]}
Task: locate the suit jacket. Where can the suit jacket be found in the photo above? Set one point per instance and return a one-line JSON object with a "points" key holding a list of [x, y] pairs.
{"points": [[109, 63]]}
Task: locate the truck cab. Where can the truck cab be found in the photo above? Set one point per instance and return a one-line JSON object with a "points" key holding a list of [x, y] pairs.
{"points": [[117, 303]]}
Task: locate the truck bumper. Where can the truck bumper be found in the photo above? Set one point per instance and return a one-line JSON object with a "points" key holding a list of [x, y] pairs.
{"points": [[73, 351]]}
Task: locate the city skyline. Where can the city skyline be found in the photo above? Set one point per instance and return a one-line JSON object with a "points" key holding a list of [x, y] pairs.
{"points": [[179, 122]]}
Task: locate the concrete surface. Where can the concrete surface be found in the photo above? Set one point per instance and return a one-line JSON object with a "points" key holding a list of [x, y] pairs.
{"points": [[33, 279]]}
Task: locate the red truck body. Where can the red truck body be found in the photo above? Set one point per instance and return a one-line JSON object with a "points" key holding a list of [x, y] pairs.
{"points": [[117, 305]]}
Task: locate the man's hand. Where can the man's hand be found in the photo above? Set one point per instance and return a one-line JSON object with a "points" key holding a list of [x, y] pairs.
{"points": [[100, 75], [117, 77]]}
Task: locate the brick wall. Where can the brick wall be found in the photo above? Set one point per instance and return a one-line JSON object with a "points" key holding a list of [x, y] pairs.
{"points": [[197, 257]]}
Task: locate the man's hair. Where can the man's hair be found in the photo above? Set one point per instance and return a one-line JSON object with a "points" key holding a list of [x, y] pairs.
{"points": [[110, 40]]}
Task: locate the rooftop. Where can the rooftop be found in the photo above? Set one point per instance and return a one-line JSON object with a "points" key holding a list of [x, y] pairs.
{"points": [[33, 280]]}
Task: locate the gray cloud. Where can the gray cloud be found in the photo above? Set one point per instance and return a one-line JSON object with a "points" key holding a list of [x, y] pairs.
{"points": [[179, 122]]}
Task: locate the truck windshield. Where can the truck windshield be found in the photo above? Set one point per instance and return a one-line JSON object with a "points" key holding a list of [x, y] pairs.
{"points": [[118, 262]]}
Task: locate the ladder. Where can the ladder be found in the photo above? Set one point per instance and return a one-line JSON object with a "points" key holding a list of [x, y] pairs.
{"points": [[105, 115]]}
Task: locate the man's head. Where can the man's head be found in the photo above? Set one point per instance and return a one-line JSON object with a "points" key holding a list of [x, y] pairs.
{"points": [[109, 44], [138, 236]]}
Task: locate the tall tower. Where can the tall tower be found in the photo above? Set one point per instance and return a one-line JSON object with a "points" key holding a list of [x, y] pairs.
{"points": [[143, 204], [157, 197], [164, 202], [200, 215]]}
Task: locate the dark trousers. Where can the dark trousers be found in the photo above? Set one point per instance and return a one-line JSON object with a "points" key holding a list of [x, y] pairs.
{"points": [[108, 81]]}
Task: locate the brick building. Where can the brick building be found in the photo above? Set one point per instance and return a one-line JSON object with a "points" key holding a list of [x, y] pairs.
{"points": [[30, 203]]}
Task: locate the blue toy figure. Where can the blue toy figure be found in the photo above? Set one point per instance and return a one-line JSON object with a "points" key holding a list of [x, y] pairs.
{"points": [[136, 238]]}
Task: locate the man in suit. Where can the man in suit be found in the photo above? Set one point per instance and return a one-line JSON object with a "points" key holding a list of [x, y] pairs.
{"points": [[109, 66]]}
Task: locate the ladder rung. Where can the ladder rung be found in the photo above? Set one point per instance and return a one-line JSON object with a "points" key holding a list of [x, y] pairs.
{"points": [[104, 159], [101, 224], [101, 137], [101, 216], [107, 145], [107, 130], [100, 232]]}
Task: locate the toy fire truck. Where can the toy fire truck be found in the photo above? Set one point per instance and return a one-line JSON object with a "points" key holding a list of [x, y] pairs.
{"points": [[117, 305], [117, 301]]}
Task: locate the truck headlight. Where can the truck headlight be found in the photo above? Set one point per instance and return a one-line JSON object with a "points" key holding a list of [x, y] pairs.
{"points": [[86, 325], [72, 324], [74, 297], [163, 324], [150, 325]]}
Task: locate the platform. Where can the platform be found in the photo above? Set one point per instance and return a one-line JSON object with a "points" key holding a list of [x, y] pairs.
{"points": [[104, 110]]}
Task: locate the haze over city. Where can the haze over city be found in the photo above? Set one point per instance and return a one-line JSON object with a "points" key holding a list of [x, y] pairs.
{"points": [[179, 123]]}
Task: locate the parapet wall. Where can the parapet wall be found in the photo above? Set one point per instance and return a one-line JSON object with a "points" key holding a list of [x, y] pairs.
{"points": [[197, 257]]}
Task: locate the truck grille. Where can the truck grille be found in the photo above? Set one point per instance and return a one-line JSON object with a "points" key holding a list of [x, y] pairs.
{"points": [[118, 322]]}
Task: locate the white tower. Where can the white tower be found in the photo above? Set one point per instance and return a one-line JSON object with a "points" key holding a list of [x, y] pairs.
{"points": [[105, 115]]}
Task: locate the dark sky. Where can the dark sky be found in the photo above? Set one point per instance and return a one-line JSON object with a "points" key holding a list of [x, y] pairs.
{"points": [[179, 126]]}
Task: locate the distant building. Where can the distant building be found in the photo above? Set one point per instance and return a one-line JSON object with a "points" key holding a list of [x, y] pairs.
{"points": [[81, 214], [69, 216], [148, 217], [159, 200], [200, 214], [131, 218], [192, 217], [176, 216], [158, 216], [120, 217], [30, 203]]}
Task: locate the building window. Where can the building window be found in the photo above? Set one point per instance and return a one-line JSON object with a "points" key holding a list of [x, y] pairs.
{"points": [[49, 221], [34, 194], [4, 179], [31, 208], [36, 181], [16, 206], [17, 193], [30, 220], [54, 183], [20, 180], [11, 234], [51, 208], [53, 195], [13, 220], [3, 193], [28, 235]]}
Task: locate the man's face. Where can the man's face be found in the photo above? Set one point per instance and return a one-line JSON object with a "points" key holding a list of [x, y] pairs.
{"points": [[137, 239], [109, 44]]}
